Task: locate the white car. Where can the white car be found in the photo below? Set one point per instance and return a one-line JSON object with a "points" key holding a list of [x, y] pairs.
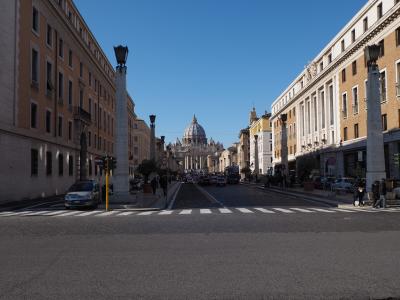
{"points": [[346, 184], [82, 194]]}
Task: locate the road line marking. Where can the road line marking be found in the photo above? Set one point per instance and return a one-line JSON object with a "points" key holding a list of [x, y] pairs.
{"points": [[286, 211], [344, 210], [302, 210], [89, 213], [70, 213], [186, 212], [263, 210], [202, 190], [245, 210], [165, 212], [172, 202], [44, 203], [323, 210], [146, 213], [367, 210], [18, 213], [127, 213], [107, 213], [53, 213], [5, 213], [37, 213], [225, 211], [205, 211]]}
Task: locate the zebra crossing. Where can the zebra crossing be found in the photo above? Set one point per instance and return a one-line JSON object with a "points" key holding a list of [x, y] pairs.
{"points": [[201, 211]]}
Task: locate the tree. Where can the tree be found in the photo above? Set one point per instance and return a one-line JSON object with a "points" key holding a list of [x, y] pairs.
{"points": [[146, 168], [305, 165]]}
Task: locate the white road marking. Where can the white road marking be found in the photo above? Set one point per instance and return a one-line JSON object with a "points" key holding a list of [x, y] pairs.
{"points": [[89, 213], [344, 210], [37, 213], [367, 210], [323, 210], [263, 210], [225, 211], [146, 213], [245, 210], [107, 213], [70, 213], [53, 213], [174, 196], [286, 211], [186, 212], [18, 213], [302, 210], [127, 213], [165, 212], [205, 211]]}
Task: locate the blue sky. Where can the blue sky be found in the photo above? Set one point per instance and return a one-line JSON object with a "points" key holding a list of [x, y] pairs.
{"points": [[213, 58]]}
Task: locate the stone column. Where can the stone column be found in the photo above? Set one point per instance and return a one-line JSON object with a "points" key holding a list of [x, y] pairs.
{"points": [[375, 149], [152, 137], [121, 173], [284, 147], [256, 167]]}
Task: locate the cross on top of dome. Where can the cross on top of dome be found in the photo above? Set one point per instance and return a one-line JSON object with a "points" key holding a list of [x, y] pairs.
{"points": [[194, 119]]}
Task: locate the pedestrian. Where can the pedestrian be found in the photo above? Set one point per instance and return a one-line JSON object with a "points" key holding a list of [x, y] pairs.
{"points": [[382, 193], [164, 184], [360, 195], [154, 185], [375, 192]]}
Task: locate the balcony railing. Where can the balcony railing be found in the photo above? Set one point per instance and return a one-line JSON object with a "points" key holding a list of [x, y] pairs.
{"points": [[82, 115]]}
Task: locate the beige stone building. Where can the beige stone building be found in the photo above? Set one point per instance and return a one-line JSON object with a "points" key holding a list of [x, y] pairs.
{"points": [[326, 103], [57, 98]]}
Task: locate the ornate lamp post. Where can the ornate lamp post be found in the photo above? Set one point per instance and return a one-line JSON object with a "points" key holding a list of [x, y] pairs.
{"points": [[375, 145], [121, 174]]}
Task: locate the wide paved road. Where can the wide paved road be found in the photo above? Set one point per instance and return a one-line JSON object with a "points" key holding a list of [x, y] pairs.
{"points": [[200, 251]]}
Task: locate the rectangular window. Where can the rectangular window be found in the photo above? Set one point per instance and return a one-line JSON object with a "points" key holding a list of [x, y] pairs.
{"points": [[365, 24], [60, 86], [70, 58], [35, 19], [90, 79], [34, 162], [49, 76], [60, 164], [89, 139], [49, 35], [355, 100], [81, 98], [90, 167], [95, 141], [397, 37], [382, 49], [329, 58], [356, 135], [383, 86], [70, 91], [61, 48], [354, 67], [33, 115], [384, 122], [353, 35], [379, 11], [60, 125], [342, 45], [308, 110], [80, 69], [69, 130], [398, 79], [343, 75], [344, 105], [49, 163], [135, 150], [315, 113], [35, 66], [48, 121], [70, 165], [345, 134]]}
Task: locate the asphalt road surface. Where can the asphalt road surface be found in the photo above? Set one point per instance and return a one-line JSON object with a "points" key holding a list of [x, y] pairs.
{"points": [[316, 252]]}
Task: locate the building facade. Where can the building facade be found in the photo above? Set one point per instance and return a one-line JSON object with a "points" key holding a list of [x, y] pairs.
{"points": [[243, 150], [194, 152], [260, 140], [58, 99], [327, 101]]}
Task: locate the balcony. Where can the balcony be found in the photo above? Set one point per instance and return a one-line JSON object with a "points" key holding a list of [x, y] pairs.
{"points": [[82, 115]]}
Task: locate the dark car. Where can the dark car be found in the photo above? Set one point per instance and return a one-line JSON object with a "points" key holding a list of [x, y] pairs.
{"points": [[82, 194]]}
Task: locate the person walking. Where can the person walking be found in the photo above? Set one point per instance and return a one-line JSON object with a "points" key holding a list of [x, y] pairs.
{"points": [[154, 185], [164, 184], [382, 193], [375, 192], [360, 195]]}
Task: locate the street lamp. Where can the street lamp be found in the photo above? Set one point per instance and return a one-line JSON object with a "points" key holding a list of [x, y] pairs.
{"points": [[152, 119], [121, 54], [371, 54]]}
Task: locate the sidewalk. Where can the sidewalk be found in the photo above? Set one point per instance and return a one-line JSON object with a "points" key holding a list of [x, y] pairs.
{"points": [[147, 201]]}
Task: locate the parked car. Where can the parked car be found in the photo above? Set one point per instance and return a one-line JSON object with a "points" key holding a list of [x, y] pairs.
{"points": [[221, 181], [346, 184], [213, 179], [82, 194]]}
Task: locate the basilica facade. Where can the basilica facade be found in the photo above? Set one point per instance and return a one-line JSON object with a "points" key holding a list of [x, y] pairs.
{"points": [[193, 153]]}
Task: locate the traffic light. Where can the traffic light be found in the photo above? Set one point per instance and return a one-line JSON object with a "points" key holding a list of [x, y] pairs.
{"points": [[112, 163]]}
